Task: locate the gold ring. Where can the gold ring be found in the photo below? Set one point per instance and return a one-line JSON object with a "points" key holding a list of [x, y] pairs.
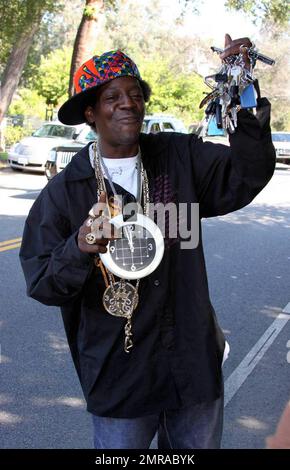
{"points": [[91, 238]]}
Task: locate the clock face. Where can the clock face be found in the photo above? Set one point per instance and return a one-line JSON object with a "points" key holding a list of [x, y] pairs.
{"points": [[139, 250], [135, 250]]}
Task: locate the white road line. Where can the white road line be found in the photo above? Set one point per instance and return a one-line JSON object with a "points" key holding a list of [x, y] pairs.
{"points": [[240, 374], [286, 309]]}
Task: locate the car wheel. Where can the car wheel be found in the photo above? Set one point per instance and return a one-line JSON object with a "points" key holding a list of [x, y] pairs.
{"points": [[16, 169]]}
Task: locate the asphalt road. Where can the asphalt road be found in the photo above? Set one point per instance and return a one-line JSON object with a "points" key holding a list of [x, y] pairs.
{"points": [[248, 262]]}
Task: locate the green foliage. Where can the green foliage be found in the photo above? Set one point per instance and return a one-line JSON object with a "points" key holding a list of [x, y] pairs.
{"points": [[57, 30], [15, 133], [17, 16], [51, 81], [276, 11], [28, 103], [90, 11], [173, 92]]}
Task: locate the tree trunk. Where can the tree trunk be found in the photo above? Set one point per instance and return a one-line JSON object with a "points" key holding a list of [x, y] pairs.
{"points": [[14, 67], [86, 37]]}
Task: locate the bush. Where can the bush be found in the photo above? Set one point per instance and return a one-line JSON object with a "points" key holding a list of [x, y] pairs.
{"points": [[15, 133], [27, 103]]}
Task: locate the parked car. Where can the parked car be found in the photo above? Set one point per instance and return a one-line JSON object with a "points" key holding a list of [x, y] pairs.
{"points": [[162, 123], [61, 155], [31, 153], [281, 142]]}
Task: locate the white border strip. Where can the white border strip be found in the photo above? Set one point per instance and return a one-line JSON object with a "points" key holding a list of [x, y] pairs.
{"points": [[244, 369]]}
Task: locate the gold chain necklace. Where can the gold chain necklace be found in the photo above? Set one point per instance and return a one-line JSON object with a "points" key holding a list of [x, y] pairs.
{"points": [[120, 298]]}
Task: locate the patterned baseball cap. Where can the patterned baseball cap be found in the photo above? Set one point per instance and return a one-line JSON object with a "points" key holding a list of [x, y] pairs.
{"points": [[93, 73]]}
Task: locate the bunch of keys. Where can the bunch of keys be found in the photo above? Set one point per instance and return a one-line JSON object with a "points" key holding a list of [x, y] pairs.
{"points": [[232, 89]]}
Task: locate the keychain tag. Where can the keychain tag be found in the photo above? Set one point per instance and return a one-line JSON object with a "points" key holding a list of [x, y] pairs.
{"points": [[248, 97], [213, 129]]}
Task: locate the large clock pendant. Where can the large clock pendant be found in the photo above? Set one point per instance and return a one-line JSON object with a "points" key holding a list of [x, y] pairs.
{"points": [[120, 299], [138, 251]]}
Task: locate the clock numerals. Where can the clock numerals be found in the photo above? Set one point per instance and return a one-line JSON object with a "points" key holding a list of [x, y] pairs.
{"points": [[135, 250]]}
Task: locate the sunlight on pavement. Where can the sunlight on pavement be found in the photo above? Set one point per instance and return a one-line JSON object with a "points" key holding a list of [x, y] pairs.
{"points": [[58, 343], [73, 402], [9, 418], [252, 423], [14, 188]]}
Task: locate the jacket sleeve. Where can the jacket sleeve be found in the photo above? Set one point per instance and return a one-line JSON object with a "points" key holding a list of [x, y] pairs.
{"points": [[55, 269], [228, 178]]}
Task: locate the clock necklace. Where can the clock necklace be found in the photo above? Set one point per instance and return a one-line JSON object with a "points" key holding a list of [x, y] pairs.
{"points": [[136, 252]]}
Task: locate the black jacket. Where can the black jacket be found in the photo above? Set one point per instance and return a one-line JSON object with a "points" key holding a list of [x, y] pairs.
{"points": [[178, 345]]}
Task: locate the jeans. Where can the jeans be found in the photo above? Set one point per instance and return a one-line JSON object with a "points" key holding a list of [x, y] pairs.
{"points": [[193, 427]]}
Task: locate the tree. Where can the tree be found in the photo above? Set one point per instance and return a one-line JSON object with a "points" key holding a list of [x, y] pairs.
{"points": [[275, 11], [86, 37], [28, 103], [173, 91], [58, 30], [52, 78], [274, 80], [28, 14]]}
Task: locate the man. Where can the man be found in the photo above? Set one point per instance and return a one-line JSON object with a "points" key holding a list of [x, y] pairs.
{"points": [[167, 377]]}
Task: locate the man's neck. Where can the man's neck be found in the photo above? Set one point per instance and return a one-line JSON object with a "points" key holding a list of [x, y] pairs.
{"points": [[120, 151]]}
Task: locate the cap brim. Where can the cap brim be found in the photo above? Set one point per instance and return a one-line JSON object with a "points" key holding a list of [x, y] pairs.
{"points": [[72, 111]]}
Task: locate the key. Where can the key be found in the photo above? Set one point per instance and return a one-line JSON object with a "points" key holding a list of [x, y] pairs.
{"points": [[210, 109], [234, 116], [230, 125], [218, 114], [235, 72], [221, 77], [255, 55], [212, 95], [234, 93]]}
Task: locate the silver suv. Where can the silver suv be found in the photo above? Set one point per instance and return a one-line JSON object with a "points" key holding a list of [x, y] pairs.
{"points": [[60, 156], [32, 152], [162, 123]]}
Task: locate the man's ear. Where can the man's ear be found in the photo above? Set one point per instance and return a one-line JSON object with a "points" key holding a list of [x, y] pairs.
{"points": [[89, 114]]}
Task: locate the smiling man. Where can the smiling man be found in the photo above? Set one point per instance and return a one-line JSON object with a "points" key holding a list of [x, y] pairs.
{"points": [[146, 344], [118, 126]]}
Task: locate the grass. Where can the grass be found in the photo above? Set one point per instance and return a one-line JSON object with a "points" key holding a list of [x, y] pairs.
{"points": [[3, 156]]}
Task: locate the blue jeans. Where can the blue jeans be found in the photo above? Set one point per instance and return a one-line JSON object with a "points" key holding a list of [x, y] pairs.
{"points": [[193, 427]]}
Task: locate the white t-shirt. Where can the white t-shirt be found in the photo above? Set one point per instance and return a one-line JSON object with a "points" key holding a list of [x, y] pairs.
{"points": [[123, 171]]}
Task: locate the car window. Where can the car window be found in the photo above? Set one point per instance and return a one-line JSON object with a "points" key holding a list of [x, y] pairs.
{"points": [[53, 130], [87, 134], [281, 137], [155, 127], [168, 126], [179, 126]]}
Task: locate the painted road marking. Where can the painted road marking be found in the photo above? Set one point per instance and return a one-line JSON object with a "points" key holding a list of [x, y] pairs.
{"points": [[10, 244], [244, 369]]}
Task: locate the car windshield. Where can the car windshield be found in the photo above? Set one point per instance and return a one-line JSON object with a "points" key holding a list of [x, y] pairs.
{"points": [[54, 130], [281, 137], [87, 134]]}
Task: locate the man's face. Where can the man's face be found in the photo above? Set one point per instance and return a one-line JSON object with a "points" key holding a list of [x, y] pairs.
{"points": [[119, 112]]}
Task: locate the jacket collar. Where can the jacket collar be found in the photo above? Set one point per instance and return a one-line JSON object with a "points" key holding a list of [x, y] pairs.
{"points": [[80, 167]]}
